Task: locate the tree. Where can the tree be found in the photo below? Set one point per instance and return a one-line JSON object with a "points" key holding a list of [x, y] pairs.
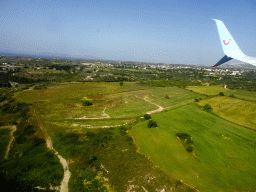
{"points": [[151, 124], [147, 116], [87, 103], [207, 107], [221, 93]]}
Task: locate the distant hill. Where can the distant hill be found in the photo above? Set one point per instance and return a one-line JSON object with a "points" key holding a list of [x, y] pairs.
{"points": [[238, 66]]}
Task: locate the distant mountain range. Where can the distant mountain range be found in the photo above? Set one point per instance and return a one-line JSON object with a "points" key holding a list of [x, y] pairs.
{"points": [[238, 66]]}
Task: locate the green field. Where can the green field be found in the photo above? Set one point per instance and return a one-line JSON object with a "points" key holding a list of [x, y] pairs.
{"points": [[214, 90], [234, 110], [226, 158]]}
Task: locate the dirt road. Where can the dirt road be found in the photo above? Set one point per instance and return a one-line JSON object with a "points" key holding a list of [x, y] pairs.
{"points": [[64, 184]]}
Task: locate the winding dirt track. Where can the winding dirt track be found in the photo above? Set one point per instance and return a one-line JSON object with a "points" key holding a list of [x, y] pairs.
{"points": [[154, 111], [104, 116], [14, 128], [67, 174]]}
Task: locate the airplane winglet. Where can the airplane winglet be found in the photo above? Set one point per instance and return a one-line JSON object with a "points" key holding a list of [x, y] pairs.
{"points": [[229, 46], [223, 60]]}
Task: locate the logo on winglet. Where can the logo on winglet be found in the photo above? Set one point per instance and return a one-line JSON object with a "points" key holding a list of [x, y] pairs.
{"points": [[227, 42]]}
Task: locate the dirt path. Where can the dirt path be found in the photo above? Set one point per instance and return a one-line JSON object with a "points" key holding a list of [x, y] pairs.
{"points": [[99, 127], [104, 116], [64, 184], [14, 128], [154, 111]]}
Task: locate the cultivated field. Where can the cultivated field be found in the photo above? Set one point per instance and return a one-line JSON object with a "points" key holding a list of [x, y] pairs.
{"points": [[214, 90], [234, 110], [224, 158]]}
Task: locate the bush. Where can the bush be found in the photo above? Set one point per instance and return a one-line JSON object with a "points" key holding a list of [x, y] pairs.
{"points": [[186, 138], [167, 97], [232, 95], [151, 124], [87, 103], [221, 93], [196, 100], [121, 83], [147, 116], [189, 148], [207, 107], [122, 130]]}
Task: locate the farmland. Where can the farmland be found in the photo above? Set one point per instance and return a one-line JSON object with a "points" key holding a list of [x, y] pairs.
{"points": [[225, 152], [234, 110], [215, 90]]}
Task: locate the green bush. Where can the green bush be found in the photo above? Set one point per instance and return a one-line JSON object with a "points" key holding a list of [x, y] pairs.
{"points": [[207, 107], [121, 83], [147, 116], [186, 138], [87, 103], [167, 97], [189, 148], [221, 93], [151, 124], [232, 95], [196, 100]]}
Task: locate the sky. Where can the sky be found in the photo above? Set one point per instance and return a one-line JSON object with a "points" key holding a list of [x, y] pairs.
{"points": [[159, 31]]}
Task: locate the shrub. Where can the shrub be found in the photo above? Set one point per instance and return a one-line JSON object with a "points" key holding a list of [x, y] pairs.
{"points": [[207, 107], [122, 130], [232, 95], [167, 97], [196, 100], [189, 148], [221, 93], [186, 138], [87, 103], [147, 116], [121, 83], [152, 123]]}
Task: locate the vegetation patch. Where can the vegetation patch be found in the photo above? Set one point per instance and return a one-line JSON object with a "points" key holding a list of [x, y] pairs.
{"points": [[147, 116], [152, 123], [186, 140], [4, 140]]}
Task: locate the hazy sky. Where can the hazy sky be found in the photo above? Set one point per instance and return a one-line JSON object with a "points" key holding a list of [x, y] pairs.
{"points": [[174, 31]]}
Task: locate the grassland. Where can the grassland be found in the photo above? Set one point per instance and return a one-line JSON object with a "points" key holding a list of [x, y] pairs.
{"points": [[225, 152], [214, 90], [112, 104], [234, 110]]}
